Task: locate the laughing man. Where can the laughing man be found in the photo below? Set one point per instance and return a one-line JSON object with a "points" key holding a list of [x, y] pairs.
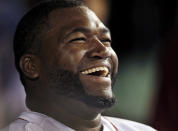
{"points": [[66, 63]]}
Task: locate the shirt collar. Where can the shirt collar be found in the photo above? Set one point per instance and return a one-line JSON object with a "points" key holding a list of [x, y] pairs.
{"points": [[48, 123], [45, 122]]}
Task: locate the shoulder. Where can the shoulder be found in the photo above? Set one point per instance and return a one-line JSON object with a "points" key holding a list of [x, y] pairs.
{"points": [[128, 125], [17, 125], [22, 125]]}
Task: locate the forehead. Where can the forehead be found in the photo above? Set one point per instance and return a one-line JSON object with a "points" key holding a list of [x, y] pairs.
{"points": [[70, 18]]}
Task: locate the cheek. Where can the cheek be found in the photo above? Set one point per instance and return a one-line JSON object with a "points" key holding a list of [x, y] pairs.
{"points": [[115, 62], [69, 59]]}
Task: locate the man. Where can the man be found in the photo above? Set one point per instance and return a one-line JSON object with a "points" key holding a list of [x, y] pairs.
{"points": [[67, 66]]}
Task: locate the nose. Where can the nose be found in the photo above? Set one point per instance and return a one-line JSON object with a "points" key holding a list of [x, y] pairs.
{"points": [[98, 50]]}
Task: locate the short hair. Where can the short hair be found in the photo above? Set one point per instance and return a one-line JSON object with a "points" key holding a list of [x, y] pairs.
{"points": [[32, 24]]}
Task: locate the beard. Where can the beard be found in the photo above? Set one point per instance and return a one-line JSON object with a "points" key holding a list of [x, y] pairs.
{"points": [[68, 84]]}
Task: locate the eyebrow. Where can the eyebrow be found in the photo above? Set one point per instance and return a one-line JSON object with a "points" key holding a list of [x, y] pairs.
{"points": [[87, 30]]}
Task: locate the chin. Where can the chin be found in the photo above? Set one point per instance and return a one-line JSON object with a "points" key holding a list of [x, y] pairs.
{"points": [[101, 102]]}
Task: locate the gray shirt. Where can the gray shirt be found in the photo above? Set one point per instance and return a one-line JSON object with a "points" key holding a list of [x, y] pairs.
{"points": [[33, 121]]}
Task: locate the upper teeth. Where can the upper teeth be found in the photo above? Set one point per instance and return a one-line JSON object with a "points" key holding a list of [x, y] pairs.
{"points": [[105, 69]]}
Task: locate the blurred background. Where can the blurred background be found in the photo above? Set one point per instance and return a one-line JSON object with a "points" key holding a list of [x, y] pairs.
{"points": [[145, 37]]}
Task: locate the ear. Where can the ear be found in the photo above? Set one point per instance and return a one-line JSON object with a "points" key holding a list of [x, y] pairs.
{"points": [[29, 66]]}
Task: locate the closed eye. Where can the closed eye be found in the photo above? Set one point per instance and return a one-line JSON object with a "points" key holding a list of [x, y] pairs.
{"points": [[106, 42], [80, 39]]}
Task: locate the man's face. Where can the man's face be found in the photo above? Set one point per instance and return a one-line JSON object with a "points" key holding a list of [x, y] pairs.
{"points": [[77, 60]]}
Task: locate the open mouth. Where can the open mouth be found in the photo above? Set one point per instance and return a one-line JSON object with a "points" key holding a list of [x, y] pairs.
{"points": [[97, 71]]}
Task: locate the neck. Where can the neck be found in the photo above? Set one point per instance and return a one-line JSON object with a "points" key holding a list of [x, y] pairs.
{"points": [[70, 112]]}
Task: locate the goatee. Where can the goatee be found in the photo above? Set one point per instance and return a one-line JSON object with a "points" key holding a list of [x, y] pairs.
{"points": [[68, 84]]}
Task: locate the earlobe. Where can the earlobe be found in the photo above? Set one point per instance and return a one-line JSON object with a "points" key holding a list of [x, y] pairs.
{"points": [[29, 66]]}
